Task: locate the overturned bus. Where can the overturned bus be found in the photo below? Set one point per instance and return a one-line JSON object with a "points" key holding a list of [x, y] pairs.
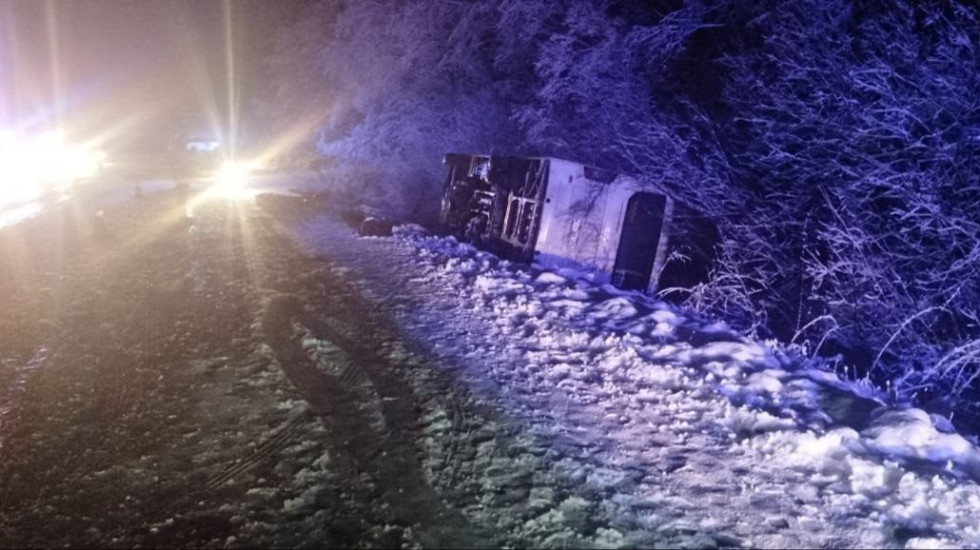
{"points": [[559, 213]]}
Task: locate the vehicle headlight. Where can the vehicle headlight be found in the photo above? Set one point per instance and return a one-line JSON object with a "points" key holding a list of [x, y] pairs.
{"points": [[232, 176]]}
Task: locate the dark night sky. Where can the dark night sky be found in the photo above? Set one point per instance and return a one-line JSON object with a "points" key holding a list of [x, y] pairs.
{"points": [[133, 71]]}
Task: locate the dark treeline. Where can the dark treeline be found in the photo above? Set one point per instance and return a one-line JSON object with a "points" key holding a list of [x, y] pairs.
{"points": [[835, 144]]}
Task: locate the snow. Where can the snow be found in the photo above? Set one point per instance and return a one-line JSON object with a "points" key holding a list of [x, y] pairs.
{"points": [[13, 390], [619, 421], [673, 429]]}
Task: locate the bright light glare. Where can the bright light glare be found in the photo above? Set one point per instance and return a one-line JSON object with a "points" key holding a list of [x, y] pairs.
{"points": [[18, 213], [19, 181], [232, 177], [31, 167]]}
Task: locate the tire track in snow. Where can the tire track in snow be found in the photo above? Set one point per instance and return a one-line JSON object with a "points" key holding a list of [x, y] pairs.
{"points": [[11, 392], [282, 439], [460, 438], [388, 455]]}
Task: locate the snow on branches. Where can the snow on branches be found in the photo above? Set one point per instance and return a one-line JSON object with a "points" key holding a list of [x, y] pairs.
{"points": [[857, 132]]}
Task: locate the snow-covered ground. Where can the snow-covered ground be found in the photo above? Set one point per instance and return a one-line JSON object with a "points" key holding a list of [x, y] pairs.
{"points": [[675, 429], [583, 416]]}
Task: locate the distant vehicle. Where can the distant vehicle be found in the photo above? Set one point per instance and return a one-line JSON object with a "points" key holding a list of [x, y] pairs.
{"points": [[203, 158], [559, 213], [195, 157]]}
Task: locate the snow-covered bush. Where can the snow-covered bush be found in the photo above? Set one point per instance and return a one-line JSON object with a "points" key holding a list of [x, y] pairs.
{"points": [[857, 133]]}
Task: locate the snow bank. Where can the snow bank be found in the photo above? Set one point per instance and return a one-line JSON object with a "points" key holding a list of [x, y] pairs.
{"points": [[656, 408]]}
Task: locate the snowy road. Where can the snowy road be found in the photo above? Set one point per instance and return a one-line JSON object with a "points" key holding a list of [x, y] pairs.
{"points": [[205, 372], [194, 380], [160, 415]]}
